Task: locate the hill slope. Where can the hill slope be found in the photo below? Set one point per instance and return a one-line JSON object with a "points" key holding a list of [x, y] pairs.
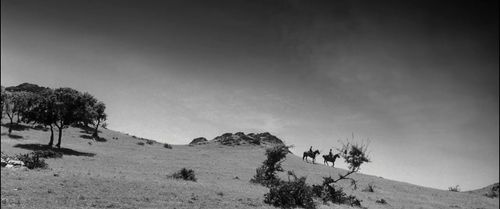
{"points": [[119, 173]]}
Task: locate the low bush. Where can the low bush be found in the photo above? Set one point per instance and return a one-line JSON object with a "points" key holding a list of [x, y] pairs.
{"points": [[291, 194], [329, 193], [185, 174], [168, 146], [381, 201], [150, 142], [454, 189], [140, 143], [32, 161], [369, 188]]}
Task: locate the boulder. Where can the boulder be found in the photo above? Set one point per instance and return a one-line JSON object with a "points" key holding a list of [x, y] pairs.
{"points": [[16, 162]]}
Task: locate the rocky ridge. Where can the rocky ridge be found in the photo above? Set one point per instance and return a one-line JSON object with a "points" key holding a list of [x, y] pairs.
{"points": [[240, 138]]}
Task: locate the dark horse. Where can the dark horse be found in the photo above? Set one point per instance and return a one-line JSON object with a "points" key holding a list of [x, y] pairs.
{"points": [[310, 154], [329, 158]]}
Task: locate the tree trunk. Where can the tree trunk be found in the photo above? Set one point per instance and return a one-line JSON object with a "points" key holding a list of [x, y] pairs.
{"points": [[11, 123], [51, 135], [58, 145], [96, 133]]}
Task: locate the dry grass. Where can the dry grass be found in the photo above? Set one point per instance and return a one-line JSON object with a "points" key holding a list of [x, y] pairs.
{"points": [[122, 174]]}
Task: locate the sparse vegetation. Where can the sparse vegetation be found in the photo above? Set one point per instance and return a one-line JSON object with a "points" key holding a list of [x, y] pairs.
{"points": [[381, 201], [168, 146], [185, 174], [150, 142], [140, 143], [454, 188]]}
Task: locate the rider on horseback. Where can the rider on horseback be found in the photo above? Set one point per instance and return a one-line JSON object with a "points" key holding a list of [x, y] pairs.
{"points": [[311, 149], [330, 154]]}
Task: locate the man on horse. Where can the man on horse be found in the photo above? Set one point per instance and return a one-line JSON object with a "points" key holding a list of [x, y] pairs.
{"points": [[330, 158], [312, 154]]}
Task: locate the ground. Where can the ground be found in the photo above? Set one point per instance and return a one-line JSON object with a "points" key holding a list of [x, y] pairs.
{"points": [[119, 173]]}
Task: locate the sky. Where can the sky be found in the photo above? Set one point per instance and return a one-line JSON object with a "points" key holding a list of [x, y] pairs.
{"points": [[416, 80]]}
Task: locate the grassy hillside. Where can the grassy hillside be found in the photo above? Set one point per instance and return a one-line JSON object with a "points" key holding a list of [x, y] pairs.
{"points": [[119, 173]]}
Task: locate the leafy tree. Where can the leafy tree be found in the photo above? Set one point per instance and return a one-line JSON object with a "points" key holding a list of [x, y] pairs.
{"points": [[10, 108], [66, 106], [2, 101], [98, 116], [45, 111]]}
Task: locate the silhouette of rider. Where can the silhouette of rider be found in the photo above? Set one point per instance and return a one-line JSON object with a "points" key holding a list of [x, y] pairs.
{"points": [[331, 154], [311, 149]]}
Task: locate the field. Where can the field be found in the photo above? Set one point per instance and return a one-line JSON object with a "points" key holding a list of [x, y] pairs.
{"points": [[119, 173]]}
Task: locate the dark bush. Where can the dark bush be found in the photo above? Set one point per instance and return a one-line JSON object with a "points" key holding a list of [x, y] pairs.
{"points": [[168, 146], [291, 194], [32, 161], [47, 154], [266, 174], [327, 192], [369, 188], [186, 174], [381, 201], [454, 189], [140, 143], [150, 142]]}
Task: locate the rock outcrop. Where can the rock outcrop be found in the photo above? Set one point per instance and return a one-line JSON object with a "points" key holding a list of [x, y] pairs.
{"points": [[199, 140], [240, 138]]}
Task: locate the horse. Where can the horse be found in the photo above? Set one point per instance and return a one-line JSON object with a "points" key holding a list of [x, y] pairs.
{"points": [[310, 154], [328, 158]]}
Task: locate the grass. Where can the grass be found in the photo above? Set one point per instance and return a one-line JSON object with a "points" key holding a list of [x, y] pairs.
{"points": [[121, 174]]}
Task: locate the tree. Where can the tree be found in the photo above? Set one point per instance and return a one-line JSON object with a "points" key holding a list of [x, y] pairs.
{"points": [[45, 111], [10, 108], [98, 116], [354, 155], [2, 101], [66, 106]]}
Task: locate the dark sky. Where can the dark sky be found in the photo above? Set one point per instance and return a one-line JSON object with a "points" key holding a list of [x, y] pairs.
{"points": [[418, 78]]}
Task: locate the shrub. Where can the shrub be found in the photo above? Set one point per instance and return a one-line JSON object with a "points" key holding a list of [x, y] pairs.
{"points": [[150, 142], [454, 189], [491, 194], [369, 188], [168, 146], [47, 154], [329, 193], [266, 174], [291, 194], [381, 201], [140, 143], [186, 174], [32, 161]]}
